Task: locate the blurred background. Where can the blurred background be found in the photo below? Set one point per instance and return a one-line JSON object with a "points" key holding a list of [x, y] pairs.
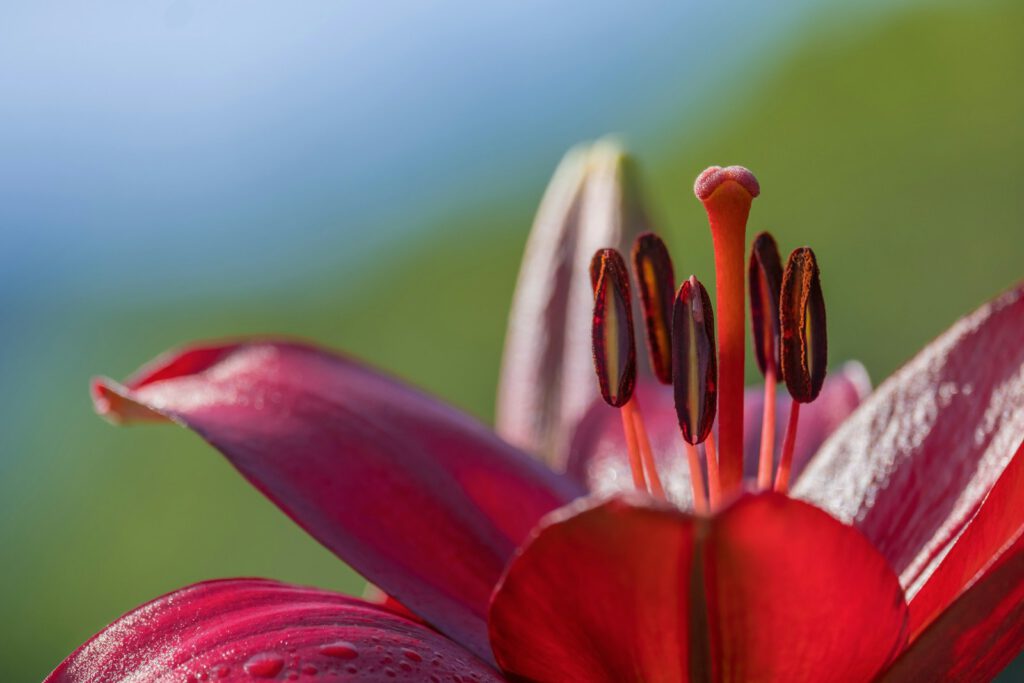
{"points": [[182, 169]]}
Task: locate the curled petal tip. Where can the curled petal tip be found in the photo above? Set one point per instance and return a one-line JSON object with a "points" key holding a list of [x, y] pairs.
{"points": [[715, 176], [110, 402]]}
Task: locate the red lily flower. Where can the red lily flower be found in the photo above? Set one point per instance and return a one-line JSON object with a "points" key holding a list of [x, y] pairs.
{"points": [[899, 556]]}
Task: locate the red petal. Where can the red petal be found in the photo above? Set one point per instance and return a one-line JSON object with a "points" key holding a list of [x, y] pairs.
{"points": [[1000, 520], [978, 635], [597, 456], [598, 594], [967, 622], [419, 498], [239, 630], [797, 596], [769, 589], [547, 373], [911, 466]]}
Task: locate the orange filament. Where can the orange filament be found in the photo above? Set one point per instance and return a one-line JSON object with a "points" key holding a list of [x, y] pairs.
{"points": [[714, 480], [646, 453], [786, 461], [636, 465], [764, 465], [700, 500]]}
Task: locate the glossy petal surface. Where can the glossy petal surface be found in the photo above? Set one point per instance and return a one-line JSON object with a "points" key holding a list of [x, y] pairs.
{"points": [[597, 455], [547, 375], [997, 526], [978, 635], [796, 596], [627, 590], [599, 595], [244, 630], [419, 498], [911, 466], [967, 621]]}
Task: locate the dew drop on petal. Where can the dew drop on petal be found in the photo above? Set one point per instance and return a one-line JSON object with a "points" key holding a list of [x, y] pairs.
{"points": [[341, 649], [265, 665]]}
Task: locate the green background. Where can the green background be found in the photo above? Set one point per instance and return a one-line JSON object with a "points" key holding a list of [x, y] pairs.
{"points": [[893, 147]]}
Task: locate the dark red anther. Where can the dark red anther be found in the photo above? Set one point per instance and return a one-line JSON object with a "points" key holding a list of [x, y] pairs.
{"points": [[656, 280], [802, 317], [612, 334], [764, 274], [694, 365]]}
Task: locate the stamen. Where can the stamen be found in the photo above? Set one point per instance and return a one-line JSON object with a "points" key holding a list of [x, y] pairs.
{"points": [[804, 345], [764, 275], [612, 334], [632, 408], [636, 465], [700, 499], [694, 371], [614, 347], [788, 441], [714, 480], [802, 318], [727, 194], [656, 281]]}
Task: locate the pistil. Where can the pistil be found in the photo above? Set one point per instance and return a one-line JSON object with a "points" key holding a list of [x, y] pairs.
{"points": [[804, 345], [727, 194]]}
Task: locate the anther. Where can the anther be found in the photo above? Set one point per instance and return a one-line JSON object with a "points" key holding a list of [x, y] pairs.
{"points": [[804, 344], [656, 281], [727, 194], [613, 341], [694, 373], [764, 277]]}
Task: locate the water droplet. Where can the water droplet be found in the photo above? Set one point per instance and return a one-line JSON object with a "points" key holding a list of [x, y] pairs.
{"points": [[265, 665], [221, 670], [341, 649], [412, 655], [310, 670], [405, 666], [390, 673]]}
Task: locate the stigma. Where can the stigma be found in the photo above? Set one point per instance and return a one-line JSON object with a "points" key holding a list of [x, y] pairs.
{"points": [[699, 349]]}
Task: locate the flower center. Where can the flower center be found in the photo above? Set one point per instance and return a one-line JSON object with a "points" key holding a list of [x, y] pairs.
{"points": [[789, 339]]}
